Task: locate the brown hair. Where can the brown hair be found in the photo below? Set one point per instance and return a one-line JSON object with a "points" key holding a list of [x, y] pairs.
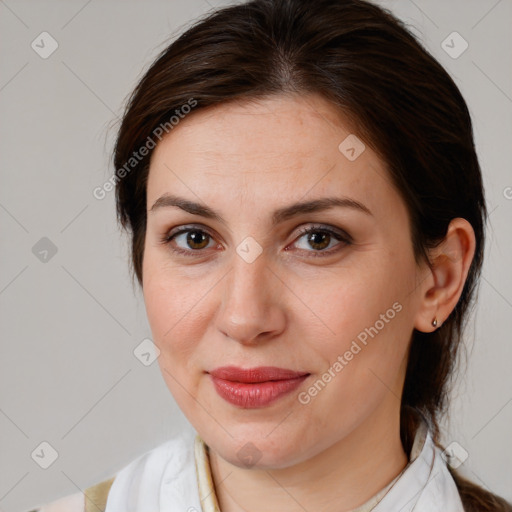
{"points": [[403, 104]]}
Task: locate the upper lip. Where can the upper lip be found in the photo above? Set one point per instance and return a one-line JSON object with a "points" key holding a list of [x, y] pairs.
{"points": [[257, 374]]}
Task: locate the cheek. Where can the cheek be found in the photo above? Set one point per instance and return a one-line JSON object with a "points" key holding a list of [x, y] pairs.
{"points": [[348, 301], [366, 322], [172, 306], [175, 331]]}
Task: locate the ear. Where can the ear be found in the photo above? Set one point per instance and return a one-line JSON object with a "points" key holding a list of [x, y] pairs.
{"points": [[449, 267]]}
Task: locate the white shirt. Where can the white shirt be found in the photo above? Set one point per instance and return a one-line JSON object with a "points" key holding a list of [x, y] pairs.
{"points": [[166, 479], [175, 476]]}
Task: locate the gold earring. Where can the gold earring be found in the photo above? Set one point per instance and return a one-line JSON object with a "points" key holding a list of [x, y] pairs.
{"points": [[434, 322]]}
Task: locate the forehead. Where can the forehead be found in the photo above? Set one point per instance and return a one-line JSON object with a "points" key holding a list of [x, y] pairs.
{"points": [[283, 145]]}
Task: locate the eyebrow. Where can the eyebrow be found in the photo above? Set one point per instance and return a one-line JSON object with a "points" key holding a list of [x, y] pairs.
{"points": [[279, 215]]}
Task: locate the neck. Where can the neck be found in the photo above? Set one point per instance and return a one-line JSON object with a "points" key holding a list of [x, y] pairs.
{"points": [[339, 479]]}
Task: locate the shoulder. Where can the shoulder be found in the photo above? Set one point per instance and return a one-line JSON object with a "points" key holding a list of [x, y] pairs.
{"points": [[94, 498], [476, 498], [71, 503], [174, 454], [170, 463], [166, 473], [441, 489]]}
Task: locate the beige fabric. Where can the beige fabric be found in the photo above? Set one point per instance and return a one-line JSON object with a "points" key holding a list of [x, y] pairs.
{"points": [[96, 496], [204, 477], [93, 500]]}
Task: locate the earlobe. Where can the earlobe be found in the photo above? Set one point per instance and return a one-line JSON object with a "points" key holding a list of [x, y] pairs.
{"points": [[449, 266]]}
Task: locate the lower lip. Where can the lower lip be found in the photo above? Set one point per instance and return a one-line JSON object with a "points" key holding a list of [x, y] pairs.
{"points": [[260, 394]]}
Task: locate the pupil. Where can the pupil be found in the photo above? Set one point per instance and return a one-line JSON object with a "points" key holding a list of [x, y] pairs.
{"points": [[318, 240]]}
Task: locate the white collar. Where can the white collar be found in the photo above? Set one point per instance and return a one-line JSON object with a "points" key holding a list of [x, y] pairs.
{"points": [[176, 476]]}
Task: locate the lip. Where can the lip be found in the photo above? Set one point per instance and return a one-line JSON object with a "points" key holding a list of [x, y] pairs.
{"points": [[255, 387]]}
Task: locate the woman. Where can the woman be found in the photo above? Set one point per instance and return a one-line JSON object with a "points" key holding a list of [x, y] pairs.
{"points": [[307, 214]]}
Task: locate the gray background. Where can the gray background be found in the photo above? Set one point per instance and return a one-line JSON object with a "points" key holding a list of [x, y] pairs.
{"points": [[70, 324]]}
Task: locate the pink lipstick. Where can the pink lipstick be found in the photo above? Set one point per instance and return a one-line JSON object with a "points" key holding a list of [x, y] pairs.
{"points": [[255, 387]]}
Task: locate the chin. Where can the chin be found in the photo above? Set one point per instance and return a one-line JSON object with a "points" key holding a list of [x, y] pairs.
{"points": [[251, 457], [255, 450]]}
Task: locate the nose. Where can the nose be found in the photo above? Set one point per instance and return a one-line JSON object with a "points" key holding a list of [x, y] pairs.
{"points": [[251, 308]]}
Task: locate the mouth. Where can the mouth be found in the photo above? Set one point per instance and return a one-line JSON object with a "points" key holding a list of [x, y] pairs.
{"points": [[255, 387]]}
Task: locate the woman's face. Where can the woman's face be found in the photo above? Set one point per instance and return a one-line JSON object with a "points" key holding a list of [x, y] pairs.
{"points": [[245, 287]]}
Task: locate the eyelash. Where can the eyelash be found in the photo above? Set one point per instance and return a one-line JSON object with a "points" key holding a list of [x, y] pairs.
{"points": [[341, 236]]}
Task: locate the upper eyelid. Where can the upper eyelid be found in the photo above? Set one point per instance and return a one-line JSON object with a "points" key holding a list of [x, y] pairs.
{"points": [[305, 225]]}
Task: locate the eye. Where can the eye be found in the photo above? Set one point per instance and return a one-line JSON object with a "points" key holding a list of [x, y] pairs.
{"points": [[317, 240], [188, 240], [322, 240]]}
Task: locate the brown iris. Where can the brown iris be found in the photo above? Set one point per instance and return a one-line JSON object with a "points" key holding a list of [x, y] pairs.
{"points": [[318, 240], [197, 239]]}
